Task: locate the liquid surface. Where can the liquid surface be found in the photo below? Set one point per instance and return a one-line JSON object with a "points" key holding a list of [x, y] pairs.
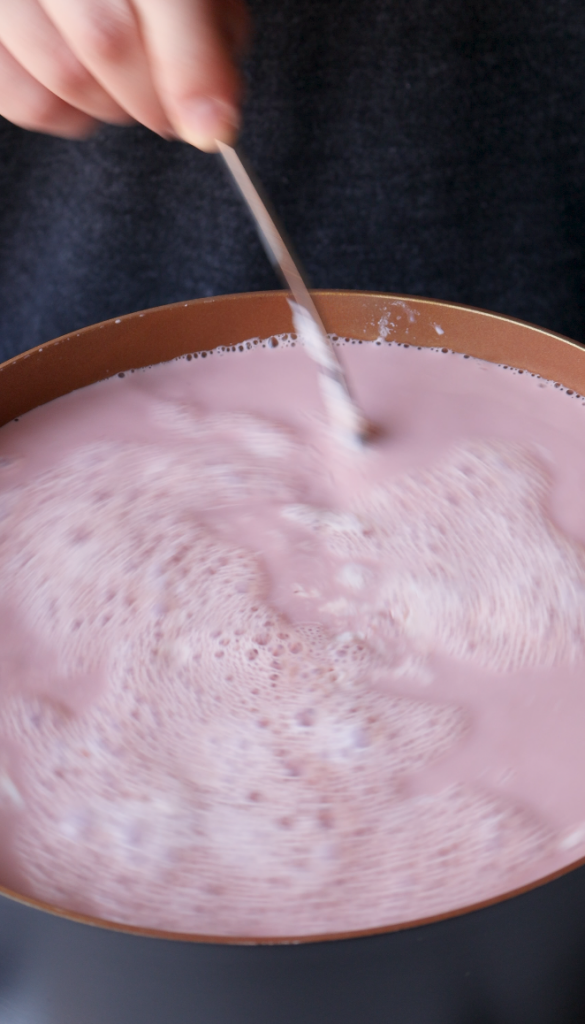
{"points": [[254, 684]]}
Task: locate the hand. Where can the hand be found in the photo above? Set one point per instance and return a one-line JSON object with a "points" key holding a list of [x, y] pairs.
{"points": [[169, 64]]}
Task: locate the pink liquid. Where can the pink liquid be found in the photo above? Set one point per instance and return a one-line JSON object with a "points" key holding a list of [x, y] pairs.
{"points": [[252, 684]]}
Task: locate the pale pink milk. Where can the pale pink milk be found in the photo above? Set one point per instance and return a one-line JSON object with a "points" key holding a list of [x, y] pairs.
{"points": [[253, 683]]}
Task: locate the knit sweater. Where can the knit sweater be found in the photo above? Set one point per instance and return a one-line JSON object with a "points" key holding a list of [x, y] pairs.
{"points": [[435, 147]]}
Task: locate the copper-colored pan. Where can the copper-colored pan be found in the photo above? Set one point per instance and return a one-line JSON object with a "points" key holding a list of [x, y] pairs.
{"points": [[519, 959]]}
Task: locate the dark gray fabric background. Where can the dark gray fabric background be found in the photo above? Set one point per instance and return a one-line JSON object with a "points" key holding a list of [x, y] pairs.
{"points": [[435, 147]]}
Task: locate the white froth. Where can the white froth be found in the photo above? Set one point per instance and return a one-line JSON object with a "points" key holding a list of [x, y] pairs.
{"points": [[238, 773], [466, 561]]}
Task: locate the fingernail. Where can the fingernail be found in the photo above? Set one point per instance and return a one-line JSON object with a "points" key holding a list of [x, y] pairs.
{"points": [[206, 119]]}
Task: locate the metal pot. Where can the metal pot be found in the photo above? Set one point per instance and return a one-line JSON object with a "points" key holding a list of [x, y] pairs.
{"points": [[518, 960]]}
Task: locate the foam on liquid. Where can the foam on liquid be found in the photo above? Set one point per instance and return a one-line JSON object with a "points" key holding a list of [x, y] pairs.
{"points": [[251, 684]]}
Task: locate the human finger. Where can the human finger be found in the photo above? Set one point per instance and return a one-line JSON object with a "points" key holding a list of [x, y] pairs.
{"points": [[191, 46], [234, 21], [34, 41], [107, 38], [27, 103]]}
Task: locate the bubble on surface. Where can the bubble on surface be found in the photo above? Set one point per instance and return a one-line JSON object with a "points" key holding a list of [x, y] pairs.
{"points": [[463, 559], [237, 772]]}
